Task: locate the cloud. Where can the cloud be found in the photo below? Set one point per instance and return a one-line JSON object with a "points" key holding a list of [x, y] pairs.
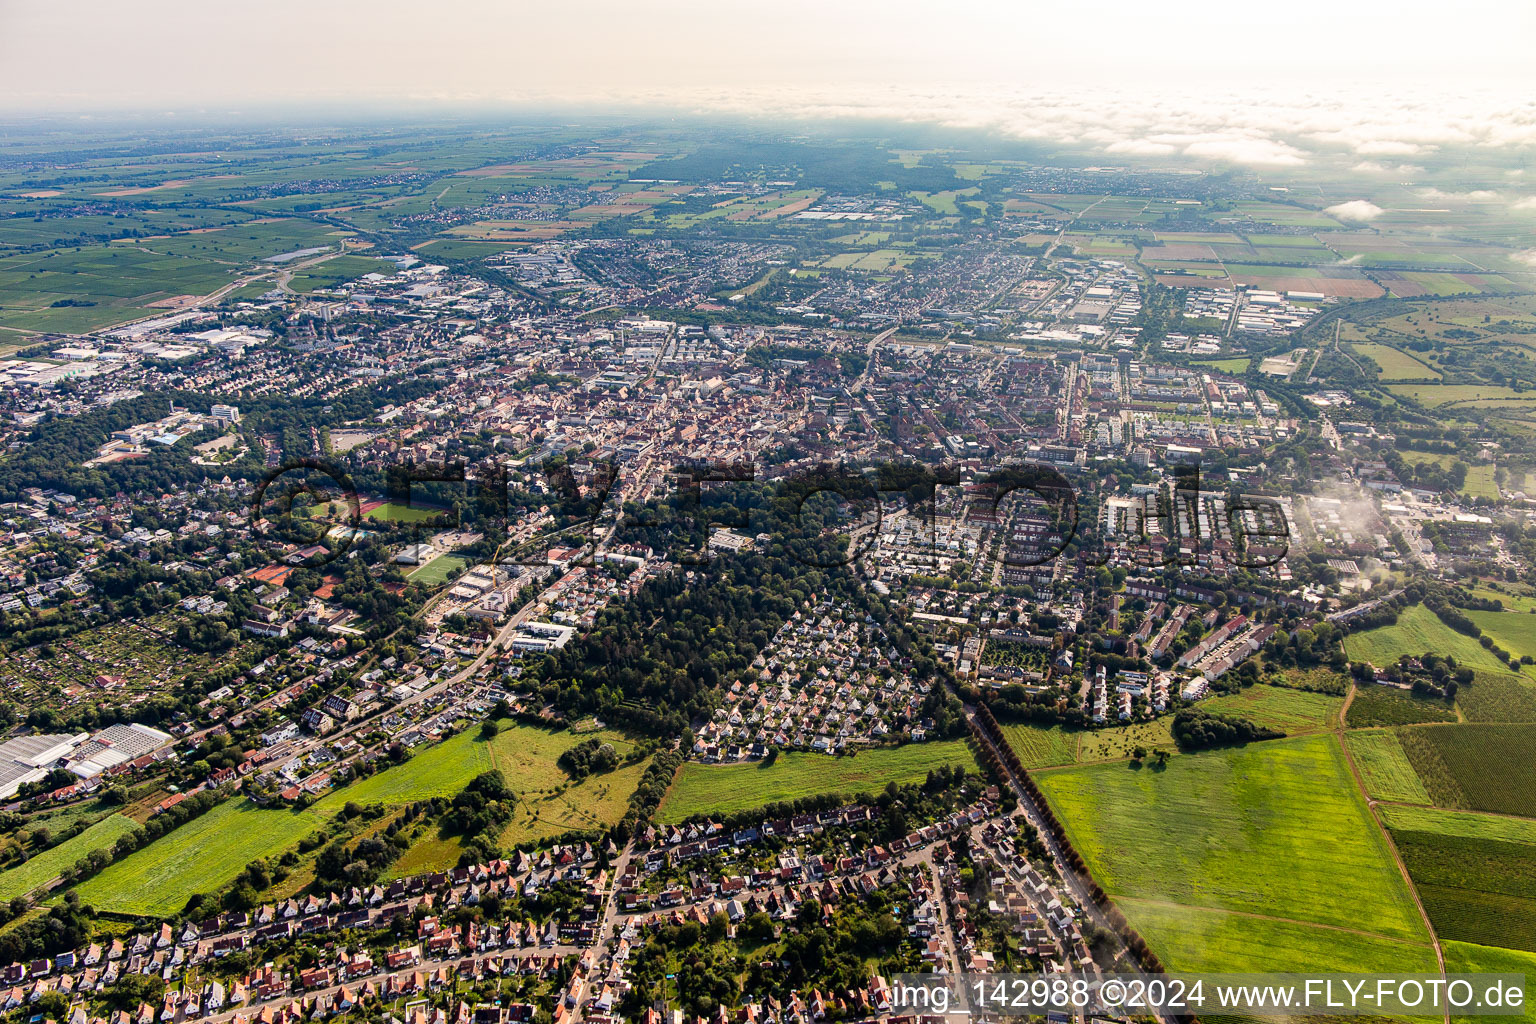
{"points": [[1141, 147], [1387, 147], [1355, 210], [1528, 203], [1474, 196], [1258, 152], [1377, 167], [1528, 257]]}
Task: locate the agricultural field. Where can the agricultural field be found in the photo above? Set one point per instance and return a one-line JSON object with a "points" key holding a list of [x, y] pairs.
{"points": [[1395, 364], [1387, 705], [1498, 697], [721, 789], [43, 868], [77, 290], [1197, 939], [1475, 887], [1419, 631], [1384, 767], [1290, 711], [525, 755], [1040, 746], [1276, 829], [202, 856], [1469, 958], [1437, 395], [1479, 767], [1514, 631], [338, 271]]}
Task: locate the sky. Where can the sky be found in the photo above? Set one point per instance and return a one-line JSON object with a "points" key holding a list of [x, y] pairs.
{"points": [[1261, 84]]}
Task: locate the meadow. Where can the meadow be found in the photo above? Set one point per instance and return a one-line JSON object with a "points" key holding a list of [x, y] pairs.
{"points": [[44, 867], [1384, 766], [1515, 631], [1396, 364], [1290, 711], [394, 512], [1041, 746], [597, 803], [1277, 829], [722, 789], [1469, 958], [205, 854], [1419, 631], [202, 856]]}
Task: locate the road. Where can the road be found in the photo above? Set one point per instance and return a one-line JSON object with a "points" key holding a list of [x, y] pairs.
{"points": [[1075, 883]]}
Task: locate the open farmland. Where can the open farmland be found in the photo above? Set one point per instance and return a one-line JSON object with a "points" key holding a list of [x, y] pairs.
{"points": [[1475, 888], [1198, 939], [1469, 958], [202, 856], [1418, 631], [1040, 746], [43, 868], [1290, 711], [1489, 765], [1513, 631], [721, 789], [1276, 829], [1498, 697], [1384, 766]]}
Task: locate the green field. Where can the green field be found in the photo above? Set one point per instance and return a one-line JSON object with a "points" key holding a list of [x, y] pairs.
{"points": [[394, 512], [1419, 631], [1477, 879], [721, 789], [437, 572], [1513, 631], [524, 754], [338, 271], [1387, 705], [1197, 939], [1384, 766], [202, 856], [595, 803], [1290, 711], [1237, 364], [1434, 395], [1467, 958], [1480, 767], [44, 867], [1498, 697], [1121, 740], [1395, 363], [1040, 746], [1276, 829]]}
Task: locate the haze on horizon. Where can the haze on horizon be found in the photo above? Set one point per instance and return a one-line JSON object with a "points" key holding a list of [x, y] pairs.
{"points": [[1381, 83]]}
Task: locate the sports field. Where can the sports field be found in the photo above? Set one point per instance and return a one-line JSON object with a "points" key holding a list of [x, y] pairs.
{"points": [[436, 572], [1276, 829], [1419, 631], [45, 867], [202, 856], [721, 789]]}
